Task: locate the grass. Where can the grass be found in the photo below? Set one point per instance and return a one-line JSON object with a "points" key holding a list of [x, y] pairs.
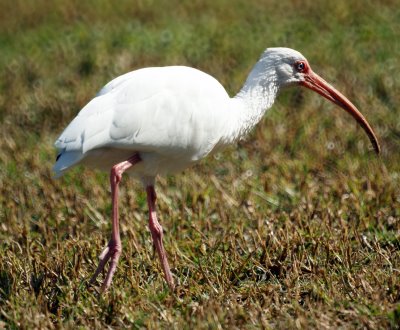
{"points": [[296, 227]]}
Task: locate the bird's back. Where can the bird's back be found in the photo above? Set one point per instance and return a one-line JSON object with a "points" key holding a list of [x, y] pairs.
{"points": [[170, 112]]}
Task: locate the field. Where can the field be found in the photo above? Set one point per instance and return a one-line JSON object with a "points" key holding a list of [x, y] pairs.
{"points": [[298, 226]]}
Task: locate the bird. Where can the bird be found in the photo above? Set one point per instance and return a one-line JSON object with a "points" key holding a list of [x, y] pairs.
{"points": [[161, 120]]}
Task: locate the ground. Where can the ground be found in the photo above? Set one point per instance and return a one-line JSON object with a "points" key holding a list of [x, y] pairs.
{"points": [[298, 226]]}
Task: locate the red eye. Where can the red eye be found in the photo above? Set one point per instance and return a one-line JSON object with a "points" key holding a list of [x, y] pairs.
{"points": [[300, 66]]}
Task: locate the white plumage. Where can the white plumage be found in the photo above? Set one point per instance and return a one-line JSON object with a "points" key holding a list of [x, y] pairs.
{"points": [[173, 116], [161, 120]]}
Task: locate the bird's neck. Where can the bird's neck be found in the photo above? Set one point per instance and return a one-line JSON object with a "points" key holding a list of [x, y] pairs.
{"points": [[256, 96]]}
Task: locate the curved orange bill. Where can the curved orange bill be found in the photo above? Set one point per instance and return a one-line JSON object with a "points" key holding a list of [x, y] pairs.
{"points": [[319, 85]]}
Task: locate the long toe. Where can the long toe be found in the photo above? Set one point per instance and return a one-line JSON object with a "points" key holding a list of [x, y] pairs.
{"points": [[110, 253], [103, 258], [111, 270]]}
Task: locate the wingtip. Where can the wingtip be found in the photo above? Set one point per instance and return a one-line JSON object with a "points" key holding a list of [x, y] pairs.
{"points": [[57, 173]]}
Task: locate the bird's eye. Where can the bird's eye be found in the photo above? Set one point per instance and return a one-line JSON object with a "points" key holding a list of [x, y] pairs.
{"points": [[300, 66]]}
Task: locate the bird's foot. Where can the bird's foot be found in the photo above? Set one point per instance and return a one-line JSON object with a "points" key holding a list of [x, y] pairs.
{"points": [[157, 239], [167, 271], [112, 253]]}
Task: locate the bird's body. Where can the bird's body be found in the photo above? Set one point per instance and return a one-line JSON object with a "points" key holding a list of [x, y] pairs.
{"points": [[162, 120], [172, 116]]}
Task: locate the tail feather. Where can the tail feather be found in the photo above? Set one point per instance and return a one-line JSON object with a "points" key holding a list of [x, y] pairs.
{"points": [[65, 160]]}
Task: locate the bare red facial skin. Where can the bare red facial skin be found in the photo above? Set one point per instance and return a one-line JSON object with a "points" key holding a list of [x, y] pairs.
{"points": [[319, 85], [302, 66]]}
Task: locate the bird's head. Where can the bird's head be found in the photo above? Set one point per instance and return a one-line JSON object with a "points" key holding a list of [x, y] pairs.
{"points": [[292, 68]]}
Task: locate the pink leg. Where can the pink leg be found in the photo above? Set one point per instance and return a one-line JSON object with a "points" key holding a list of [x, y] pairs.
{"points": [[114, 247], [157, 234]]}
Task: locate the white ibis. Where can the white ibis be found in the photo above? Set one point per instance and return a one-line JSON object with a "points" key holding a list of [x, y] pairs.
{"points": [[164, 119]]}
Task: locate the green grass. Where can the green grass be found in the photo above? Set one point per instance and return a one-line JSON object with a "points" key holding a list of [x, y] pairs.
{"points": [[296, 227]]}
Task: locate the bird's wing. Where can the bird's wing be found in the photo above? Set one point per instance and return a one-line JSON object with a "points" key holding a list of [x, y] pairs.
{"points": [[165, 110], [92, 120]]}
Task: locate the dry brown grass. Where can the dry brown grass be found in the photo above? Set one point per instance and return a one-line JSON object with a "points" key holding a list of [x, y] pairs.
{"points": [[297, 227]]}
